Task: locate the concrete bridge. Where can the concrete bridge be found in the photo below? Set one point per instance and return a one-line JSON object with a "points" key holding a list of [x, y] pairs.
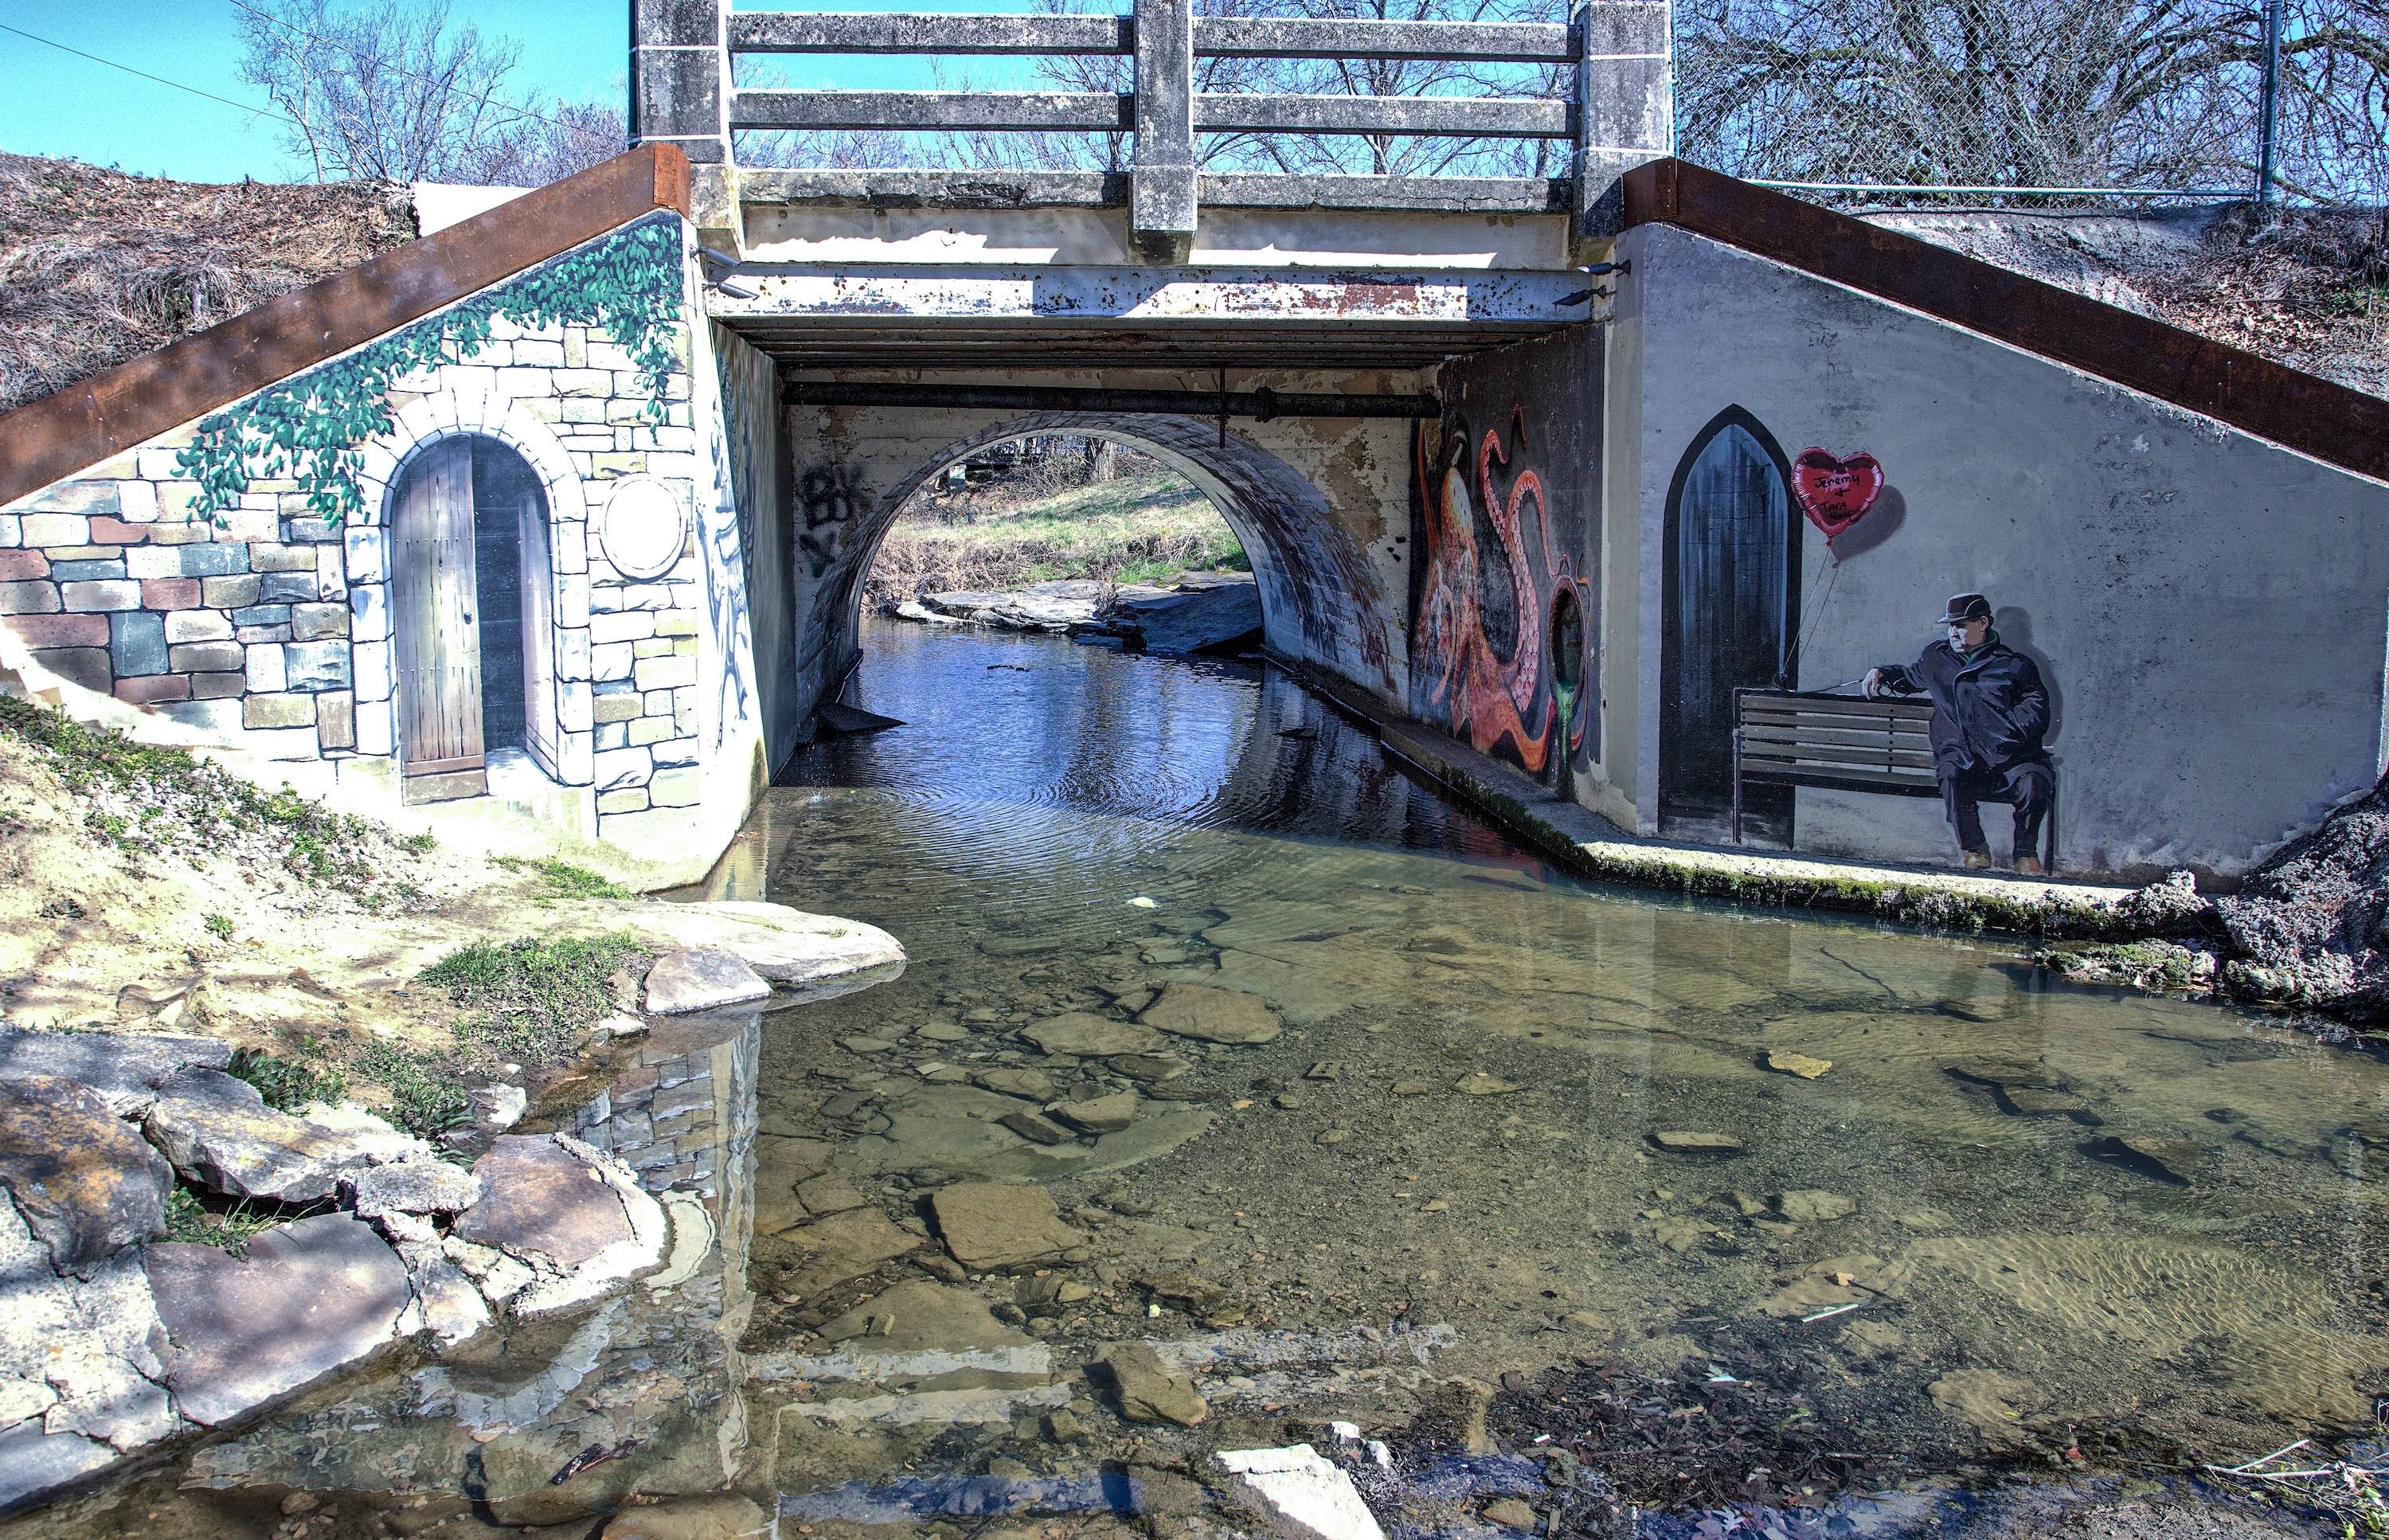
{"points": [[1550, 466]]}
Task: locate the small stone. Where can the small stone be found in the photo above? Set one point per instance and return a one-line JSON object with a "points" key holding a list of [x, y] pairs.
{"points": [[621, 1025], [1286, 1102], [992, 1225], [1813, 1205], [1511, 1513], [701, 979], [865, 1044], [1435, 1205], [1482, 1084], [1413, 1088], [1148, 1391], [498, 1108], [1334, 1136], [2177, 1158], [1212, 1015], [1035, 1129], [1063, 1427], [2033, 1102], [1801, 1064], [1326, 1069], [918, 1315], [1686, 1139], [1102, 1114], [943, 1032]]}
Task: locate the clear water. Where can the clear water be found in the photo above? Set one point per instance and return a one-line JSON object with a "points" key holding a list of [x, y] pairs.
{"points": [[2058, 1211]]}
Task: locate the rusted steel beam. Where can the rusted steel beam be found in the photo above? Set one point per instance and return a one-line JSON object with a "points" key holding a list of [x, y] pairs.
{"points": [[1025, 111], [1263, 405], [1483, 42], [1474, 117], [77, 428], [2303, 412], [863, 33]]}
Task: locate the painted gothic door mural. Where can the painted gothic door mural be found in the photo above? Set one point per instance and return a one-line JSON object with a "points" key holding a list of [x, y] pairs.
{"points": [[433, 611], [1730, 618], [472, 601]]}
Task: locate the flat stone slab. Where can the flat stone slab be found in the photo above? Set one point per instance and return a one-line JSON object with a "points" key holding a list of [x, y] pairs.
{"points": [[1084, 1036], [1148, 1391], [918, 1315], [1222, 619], [123, 1070], [786, 945], [538, 1197], [219, 1132], [1212, 1015], [312, 1297], [1306, 1487], [701, 979], [990, 1225], [87, 1184]]}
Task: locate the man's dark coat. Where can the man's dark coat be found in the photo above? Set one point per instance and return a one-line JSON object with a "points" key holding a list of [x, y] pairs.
{"points": [[1989, 712]]}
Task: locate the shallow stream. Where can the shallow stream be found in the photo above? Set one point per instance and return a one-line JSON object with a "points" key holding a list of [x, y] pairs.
{"points": [[1511, 1122]]}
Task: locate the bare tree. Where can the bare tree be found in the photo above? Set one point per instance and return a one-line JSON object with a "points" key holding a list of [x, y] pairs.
{"points": [[397, 92], [2033, 92]]}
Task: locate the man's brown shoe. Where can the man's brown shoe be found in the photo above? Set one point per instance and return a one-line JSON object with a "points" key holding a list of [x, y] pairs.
{"points": [[1977, 860], [2027, 866]]}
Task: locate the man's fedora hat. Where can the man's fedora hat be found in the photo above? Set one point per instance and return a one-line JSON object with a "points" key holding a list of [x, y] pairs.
{"points": [[1967, 606]]}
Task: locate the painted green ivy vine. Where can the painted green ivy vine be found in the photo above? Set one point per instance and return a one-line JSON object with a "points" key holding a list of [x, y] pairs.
{"points": [[310, 427]]}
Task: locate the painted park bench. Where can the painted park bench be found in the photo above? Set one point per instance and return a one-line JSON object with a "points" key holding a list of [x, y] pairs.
{"points": [[1840, 743]]}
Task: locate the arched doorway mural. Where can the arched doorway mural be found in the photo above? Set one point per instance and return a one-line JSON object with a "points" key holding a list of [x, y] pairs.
{"points": [[1730, 615], [472, 601]]}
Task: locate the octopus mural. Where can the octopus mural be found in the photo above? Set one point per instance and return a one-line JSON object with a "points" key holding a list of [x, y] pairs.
{"points": [[1488, 589]]}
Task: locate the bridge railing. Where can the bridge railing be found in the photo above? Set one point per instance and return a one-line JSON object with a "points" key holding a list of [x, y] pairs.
{"points": [[1612, 110]]}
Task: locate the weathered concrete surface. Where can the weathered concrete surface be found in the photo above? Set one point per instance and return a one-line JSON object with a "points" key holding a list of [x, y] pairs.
{"points": [[219, 1132], [122, 1069], [86, 1184], [312, 1297]]}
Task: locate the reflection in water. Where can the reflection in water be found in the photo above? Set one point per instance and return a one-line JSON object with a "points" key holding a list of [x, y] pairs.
{"points": [[1495, 1121]]}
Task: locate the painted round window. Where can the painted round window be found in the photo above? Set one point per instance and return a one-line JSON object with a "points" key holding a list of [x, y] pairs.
{"points": [[644, 527]]}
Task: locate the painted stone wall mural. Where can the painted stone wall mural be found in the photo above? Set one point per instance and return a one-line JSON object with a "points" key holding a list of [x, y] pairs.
{"points": [[1835, 490], [1488, 577]]}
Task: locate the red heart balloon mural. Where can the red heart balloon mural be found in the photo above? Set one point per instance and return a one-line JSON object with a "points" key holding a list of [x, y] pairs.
{"points": [[1833, 491]]}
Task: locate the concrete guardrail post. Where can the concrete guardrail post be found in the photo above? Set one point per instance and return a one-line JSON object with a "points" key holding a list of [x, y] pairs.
{"points": [[1624, 96], [1162, 186], [680, 95]]}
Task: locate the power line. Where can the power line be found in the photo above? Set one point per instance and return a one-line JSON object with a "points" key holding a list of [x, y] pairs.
{"points": [[516, 108], [193, 90]]}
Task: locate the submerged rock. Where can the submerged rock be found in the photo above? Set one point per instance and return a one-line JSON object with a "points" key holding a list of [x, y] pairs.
{"points": [[1688, 1140], [701, 979], [1033, 1084], [87, 1184], [1148, 1391], [1212, 1015], [1786, 1062], [918, 1315], [579, 1220], [1084, 1036], [310, 1297], [1102, 1114], [843, 1247], [992, 1225], [1813, 1205], [721, 1516], [1482, 1084]]}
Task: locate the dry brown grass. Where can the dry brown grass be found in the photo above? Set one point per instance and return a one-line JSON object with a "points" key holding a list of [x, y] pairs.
{"points": [[2313, 293], [97, 267]]}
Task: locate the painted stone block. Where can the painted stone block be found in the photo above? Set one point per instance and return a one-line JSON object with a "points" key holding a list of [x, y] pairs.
{"points": [[336, 720], [83, 666], [60, 630], [287, 587], [212, 687], [170, 594], [317, 621], [316, 665], [136, 643], [294, 710], [281, 558], [230, 593], [154, 689], [199, 625], [206, 657], [626, 767], [87, 598], [265, 669], [107, 569]]}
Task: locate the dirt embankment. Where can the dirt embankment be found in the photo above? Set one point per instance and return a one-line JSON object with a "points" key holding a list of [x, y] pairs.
{"points": [[97, 266], [2310, 289]]}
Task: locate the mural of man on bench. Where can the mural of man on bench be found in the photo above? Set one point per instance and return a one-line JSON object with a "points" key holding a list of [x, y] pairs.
{"points": [[1990, 714]]}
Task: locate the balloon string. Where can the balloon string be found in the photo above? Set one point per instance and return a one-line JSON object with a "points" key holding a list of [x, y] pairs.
{"points": [[1816, 609]]}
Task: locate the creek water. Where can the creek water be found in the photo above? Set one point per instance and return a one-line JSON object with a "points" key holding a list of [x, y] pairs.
{"points": [[1496, 1123]]}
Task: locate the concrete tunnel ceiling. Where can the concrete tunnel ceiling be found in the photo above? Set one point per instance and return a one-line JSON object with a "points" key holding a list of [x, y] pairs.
{"points": [[1307, 567]]}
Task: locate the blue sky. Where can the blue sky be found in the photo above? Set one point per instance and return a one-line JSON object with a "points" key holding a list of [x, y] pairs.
{"points": [[56, 104]]}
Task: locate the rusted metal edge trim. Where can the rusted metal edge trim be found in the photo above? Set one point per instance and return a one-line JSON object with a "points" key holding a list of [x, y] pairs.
{"points": [[2303, 412], [69, 430]]}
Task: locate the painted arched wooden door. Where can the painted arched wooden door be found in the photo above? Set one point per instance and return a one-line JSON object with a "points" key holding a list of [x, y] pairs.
{"points": [[1731, 605], [436, 632]]}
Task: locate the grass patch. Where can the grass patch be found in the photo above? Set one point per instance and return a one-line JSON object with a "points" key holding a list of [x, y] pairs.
{"points": [[426, 1095], [531, 999], [563, 880], [286, 1084], [192, 1218], [150, 796]]}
